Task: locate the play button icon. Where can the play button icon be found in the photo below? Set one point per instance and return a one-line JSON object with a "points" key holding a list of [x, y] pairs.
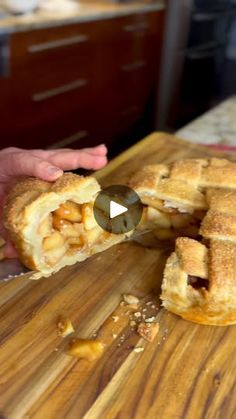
{"points": [[118, 209]]}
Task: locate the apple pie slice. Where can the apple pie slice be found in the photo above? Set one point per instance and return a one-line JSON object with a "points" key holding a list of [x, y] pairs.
{"points": [[52, 224]]}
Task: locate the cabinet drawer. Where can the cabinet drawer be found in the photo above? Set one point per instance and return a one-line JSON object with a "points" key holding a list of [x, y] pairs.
{"points": [[134, 25], [55, 71], [25, 112], [64, 129], [50, 96], [51, 39], [135, 51], [50, 69], [93, 77], [145, 50], [52, 59], [74, 35]]}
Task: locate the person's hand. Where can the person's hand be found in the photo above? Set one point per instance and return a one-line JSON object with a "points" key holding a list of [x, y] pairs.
{"points": [[43, 164]]}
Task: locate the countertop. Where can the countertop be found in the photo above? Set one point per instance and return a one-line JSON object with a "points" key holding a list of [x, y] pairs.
{"points": [[187, 371], [218, 126], [86, 11]]}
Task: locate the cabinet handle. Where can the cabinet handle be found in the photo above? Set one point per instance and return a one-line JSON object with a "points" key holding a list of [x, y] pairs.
{"points": [[203, 17], [200, 54], [133, 66], [77, 84], [59, 43], [136, 27], [69, 140], [4, 56]]}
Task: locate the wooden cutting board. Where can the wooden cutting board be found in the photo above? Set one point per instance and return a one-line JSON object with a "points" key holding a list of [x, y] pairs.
{"points": [[187, 372]]}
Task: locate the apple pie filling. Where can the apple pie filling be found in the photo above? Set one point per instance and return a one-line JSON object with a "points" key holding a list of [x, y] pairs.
{"points": [[170, 224], [67, 229]]}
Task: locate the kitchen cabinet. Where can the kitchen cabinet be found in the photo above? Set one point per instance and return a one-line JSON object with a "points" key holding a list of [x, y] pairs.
{"points": [[80, 84]]}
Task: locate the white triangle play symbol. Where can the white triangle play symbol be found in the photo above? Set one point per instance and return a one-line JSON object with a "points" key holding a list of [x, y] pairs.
{"points": [[116, 209]]}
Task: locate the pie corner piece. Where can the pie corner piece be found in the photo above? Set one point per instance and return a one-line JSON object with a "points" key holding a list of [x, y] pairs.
{"points": [[199, 282]]}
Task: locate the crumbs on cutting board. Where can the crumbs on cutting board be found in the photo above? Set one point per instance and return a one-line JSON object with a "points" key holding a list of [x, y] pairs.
{"points": [[141, 316], [138, 314], [148, 330], [89, 349], [139, 349], [130, 299], [86, 349], [115, 318], [64, 327], [9, 277]]}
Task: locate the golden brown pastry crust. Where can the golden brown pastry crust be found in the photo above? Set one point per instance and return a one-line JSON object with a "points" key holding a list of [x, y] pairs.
{"points": [[200, 277], [199, 281], [28, 213]]}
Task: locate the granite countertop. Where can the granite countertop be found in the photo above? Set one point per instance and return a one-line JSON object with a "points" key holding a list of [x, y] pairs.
{"points": [[86, 11], [217, 126]]}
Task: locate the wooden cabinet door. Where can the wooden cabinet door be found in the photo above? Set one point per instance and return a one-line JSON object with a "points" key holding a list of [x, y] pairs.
{"points": [[129, 70], [89, 80]]}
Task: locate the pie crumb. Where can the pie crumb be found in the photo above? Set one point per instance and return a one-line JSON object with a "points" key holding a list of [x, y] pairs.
{"points": [[64, 327], [148, 331], [115, 318], [150, 319], [130, 299], [138, 349], [86, 349], [133, 306]]}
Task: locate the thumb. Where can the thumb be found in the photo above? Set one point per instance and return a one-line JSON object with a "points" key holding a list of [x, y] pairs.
{"points": [[22, 163]]}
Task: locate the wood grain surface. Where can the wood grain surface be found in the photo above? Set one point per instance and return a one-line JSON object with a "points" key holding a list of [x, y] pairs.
{"points": [[187, 372]]}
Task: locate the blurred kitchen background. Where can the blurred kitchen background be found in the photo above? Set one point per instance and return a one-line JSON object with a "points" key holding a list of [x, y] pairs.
{"points": [[77, 74]]}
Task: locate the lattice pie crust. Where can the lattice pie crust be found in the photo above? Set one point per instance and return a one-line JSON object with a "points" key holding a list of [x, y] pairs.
{"points": [[195, 201]]}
